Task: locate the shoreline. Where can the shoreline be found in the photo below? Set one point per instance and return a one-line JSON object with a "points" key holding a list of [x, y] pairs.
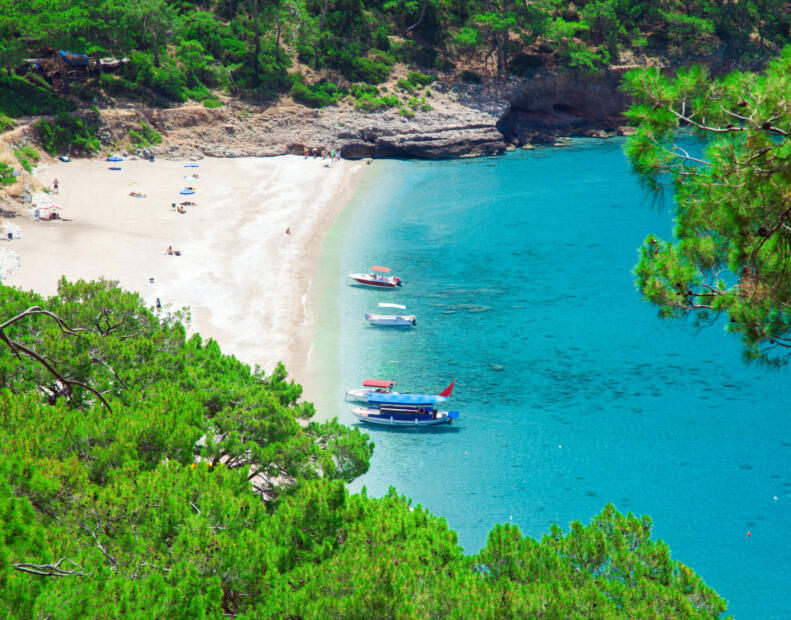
{"points": [[233, 243]]}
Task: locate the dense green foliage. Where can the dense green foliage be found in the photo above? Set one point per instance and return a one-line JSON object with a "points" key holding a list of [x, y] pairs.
{"points": [[732, 249], [66, 132], [146, 474], [6, 174], [144, 137], [180, 50], [19, 97], [6, 123]]}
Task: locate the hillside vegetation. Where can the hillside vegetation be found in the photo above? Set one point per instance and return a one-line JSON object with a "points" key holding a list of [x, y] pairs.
{"points": [[321, 51]]}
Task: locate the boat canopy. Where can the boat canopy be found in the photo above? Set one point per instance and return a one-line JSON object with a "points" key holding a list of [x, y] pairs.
{"points": [[377, 383], [405, 399], [399, 306], [382, 269]]}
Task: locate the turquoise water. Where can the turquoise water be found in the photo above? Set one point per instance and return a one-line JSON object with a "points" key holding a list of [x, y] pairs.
{"points": [[572, 392]]}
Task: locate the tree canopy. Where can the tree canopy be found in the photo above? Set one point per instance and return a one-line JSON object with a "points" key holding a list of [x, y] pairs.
{"points": [[731, 255], [184, 50], [143, 472]]}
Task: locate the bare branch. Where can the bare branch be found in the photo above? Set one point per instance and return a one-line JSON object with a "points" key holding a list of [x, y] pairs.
{"points": [[49, 570], [17, 348]]}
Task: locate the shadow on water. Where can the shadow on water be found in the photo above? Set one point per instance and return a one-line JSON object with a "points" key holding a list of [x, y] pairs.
{"points": [[401, 430], [374, 288]]}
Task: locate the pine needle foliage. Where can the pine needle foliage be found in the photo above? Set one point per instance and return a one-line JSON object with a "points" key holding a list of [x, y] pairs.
{"points": [[143, 473], [731, 252]]}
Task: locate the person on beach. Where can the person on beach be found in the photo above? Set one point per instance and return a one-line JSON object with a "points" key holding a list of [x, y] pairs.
{"points": [[55, 186], [159, 305], [170, 250], [172, 205], [288, 230]]}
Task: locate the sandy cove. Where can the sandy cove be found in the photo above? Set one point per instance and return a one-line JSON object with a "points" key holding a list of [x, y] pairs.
{"points": [[244, 279]]}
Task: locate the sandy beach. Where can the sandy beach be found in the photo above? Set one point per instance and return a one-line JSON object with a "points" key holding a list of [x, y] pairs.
{"points": [[245, 280]]}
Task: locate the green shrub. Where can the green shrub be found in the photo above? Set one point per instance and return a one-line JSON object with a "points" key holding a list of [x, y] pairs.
{"points": [[23, 161], [197, 93], [371, 70], [358, 90], [406, 112], [585, 59], [470, 77], [406, 85], [381, 39], [212, 103], [117, 85], [420, 79], [29, 151], [6, 123], [369, 103], [6, 174], [67, 132], [19, 97], [147, 136], [24, 154], [316, 95]]}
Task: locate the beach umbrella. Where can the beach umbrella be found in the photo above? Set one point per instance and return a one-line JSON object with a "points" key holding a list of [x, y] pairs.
{"points": [[115, 158], [190, 165], [186, 192], [189, 178]]}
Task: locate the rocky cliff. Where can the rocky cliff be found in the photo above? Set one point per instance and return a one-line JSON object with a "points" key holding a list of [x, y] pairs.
{"points": [[465, 121], [565, 104], [449, 129]]}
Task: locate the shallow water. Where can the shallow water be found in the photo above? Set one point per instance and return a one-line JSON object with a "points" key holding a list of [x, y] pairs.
{"points": [[572, 392]]}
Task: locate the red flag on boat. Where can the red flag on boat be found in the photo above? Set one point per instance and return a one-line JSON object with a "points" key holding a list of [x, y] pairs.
{"points": [[446, 392]]}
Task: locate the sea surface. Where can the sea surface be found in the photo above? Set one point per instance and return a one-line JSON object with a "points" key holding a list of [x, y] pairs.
{"points": [[572, 392]]}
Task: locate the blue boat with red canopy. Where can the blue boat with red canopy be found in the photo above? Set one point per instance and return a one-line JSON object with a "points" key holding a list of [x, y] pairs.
{"points": [[406, 409]]}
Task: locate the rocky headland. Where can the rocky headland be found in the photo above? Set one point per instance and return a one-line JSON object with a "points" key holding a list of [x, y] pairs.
{"points": [[465, 120]]}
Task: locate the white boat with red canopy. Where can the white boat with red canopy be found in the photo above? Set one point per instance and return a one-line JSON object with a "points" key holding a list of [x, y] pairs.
{"points": [[371, 387], [377, 278]]}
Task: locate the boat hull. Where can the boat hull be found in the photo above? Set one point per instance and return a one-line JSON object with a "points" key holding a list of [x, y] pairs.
{"points": [[374, 416], [391, 320], [378, 282]]}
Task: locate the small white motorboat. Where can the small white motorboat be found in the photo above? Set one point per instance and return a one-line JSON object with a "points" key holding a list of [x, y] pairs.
{"points": [[371, 388], [376, 278], [392, 320]]}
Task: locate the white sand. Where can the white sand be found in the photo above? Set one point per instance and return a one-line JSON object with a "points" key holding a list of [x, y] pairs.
{"points": [[244, 280]]}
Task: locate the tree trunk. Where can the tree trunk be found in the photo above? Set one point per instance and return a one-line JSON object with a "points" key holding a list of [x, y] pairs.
{"points": [[323, 16], [64, 73], [277, 40], [501, 53], [420, 19], [257, 33]]}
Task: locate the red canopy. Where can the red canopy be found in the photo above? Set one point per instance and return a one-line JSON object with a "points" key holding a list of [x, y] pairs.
{"points": [[377, 383], [377, 268]]}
